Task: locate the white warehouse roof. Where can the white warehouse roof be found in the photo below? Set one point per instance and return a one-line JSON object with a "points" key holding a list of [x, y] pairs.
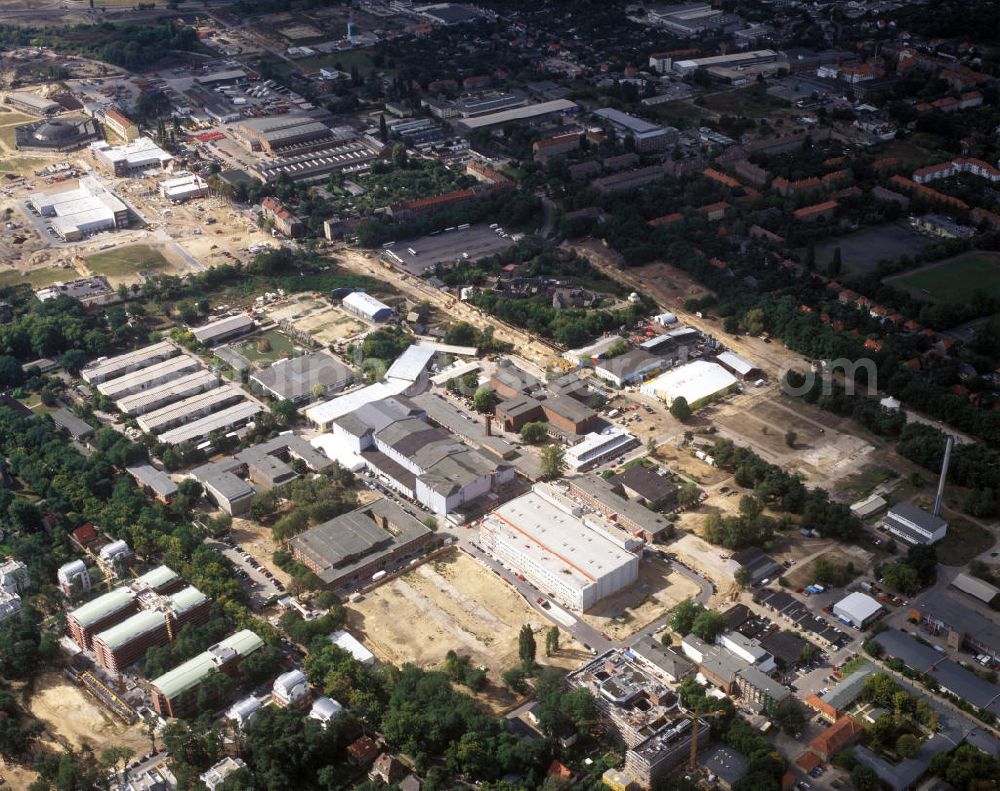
{"points": [[735, 363], [695, 381], [364, 304], [410, 364], [322, 414], [858, 607], [353, 646], [336, 449]]}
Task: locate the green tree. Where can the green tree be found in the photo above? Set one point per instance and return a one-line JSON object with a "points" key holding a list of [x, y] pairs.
{"points": [[679, 409], [484, 400], [399, 156], [526, 648], [514, 678], [863, 778], [790, 437], [907, 745], [682, 617], [284, 411], [552, 641], [535, 432], [553, 461], [709, 625], [743, 577], [836, 264]]}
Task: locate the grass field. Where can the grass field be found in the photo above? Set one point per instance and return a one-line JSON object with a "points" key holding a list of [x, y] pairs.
{"points": [[344, 61], [862, 251], [962, 543], [956, 279], [36, 278], [127, 261], [281, 347]]}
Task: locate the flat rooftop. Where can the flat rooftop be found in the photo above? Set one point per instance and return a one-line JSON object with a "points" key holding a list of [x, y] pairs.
{"points": [[154, 374], [219, 421], [99, 371], [519, 114], [558, 540]]}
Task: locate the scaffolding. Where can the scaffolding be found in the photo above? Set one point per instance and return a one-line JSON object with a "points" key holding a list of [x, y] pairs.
{"points": [[107, 697]]}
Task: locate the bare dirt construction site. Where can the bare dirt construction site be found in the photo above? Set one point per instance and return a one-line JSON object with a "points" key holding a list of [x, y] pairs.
{"points": [[658, 590], [452, 603], [323, 323], [74, 719], [823, 449]]}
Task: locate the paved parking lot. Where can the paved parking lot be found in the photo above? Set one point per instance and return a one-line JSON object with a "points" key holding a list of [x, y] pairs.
{"points": [[447, 246], [251, 574]]}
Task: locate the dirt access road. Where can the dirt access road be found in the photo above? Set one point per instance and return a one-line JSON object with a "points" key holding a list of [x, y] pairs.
{"points": [[414, 288], [671, 287]]}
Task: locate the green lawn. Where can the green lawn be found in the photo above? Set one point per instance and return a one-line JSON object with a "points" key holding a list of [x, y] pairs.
{"points": [[360, 58], [36, 278], [127, 261], [281, 347], [962, 543], [955, 280], [863, 482]]}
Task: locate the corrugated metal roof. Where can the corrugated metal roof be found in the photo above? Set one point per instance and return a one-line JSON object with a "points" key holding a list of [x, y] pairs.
{"points": [[190, 674], [101, 607], [976, 587], [158, 577]]}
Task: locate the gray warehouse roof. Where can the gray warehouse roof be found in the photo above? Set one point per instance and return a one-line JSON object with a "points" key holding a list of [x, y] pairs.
{"points": [[334, 545], [294, 378], [71, 424], [231, 325], [159, 482]]}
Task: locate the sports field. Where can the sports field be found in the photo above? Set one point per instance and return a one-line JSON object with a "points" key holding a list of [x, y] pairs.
{"points": [[956, 279], [127, 261]]}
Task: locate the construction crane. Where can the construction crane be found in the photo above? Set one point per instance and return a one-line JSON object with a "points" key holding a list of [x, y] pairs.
{"points": [[696, 717]]}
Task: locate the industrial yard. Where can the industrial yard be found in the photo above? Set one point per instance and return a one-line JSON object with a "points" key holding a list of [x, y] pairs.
{"points": [[659, 589], [449, 603]]}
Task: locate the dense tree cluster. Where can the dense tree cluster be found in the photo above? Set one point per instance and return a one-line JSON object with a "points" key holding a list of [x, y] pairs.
{"points": [[131, 46], [775, 488], [690, 617], [972, 465]]}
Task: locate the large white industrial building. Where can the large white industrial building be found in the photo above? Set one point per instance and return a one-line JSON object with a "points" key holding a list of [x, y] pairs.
{"points": [[557, 550], [422, 461], [366, 306], [184, 188], [132, 158], [80, 212], [698, 382], [857, 609]]}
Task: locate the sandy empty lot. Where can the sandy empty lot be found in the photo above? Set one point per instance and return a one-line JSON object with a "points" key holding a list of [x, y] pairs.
{"points": [[821, 452], [452, 603], [328, 324], [657, 591], [449, 603], [72, 717]]}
